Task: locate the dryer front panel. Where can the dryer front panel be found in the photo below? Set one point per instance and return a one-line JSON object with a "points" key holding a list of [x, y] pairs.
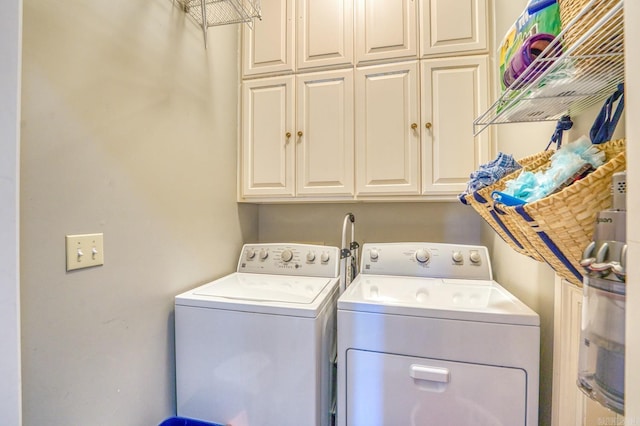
{"points": [[385, 389]]}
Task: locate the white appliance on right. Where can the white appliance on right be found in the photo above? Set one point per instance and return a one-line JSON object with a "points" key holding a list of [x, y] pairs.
{"points": [[426, 337]]}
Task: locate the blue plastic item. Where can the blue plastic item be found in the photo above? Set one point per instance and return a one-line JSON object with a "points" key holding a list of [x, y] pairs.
{"points": [[506, 199], [537, 5], [183, 421]]}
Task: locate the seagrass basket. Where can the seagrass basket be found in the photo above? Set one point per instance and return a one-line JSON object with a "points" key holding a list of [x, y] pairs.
{"points": [[500, 222], [604, 46], [561, 225]]}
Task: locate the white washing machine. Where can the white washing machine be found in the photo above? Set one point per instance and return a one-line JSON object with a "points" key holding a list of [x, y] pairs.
{"points": [[426, 337], [257, 347]]}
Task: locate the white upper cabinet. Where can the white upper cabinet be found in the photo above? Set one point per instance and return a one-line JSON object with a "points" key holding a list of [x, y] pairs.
{"points": [[324, 131], [320, 35], [297, 136], [363, 100], [324, 33], [387, 133], [454, 91], [453, 27], [386, 29], [268, 155], [269, 46]]}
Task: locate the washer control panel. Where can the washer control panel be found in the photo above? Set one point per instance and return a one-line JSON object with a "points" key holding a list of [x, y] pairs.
{"points": [[290, 259], [433, 260]]}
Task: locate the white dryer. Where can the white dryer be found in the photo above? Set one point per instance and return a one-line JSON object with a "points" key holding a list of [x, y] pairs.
{"points": [[257, 347], [426, 337]]}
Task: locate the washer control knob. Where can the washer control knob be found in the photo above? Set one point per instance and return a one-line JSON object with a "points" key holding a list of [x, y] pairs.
{"points": [[311, 256], [251, 253], [286, 255], [324, 257], [474, 256], [422, 255], [373, 254], [457, 256], [264, 253]]}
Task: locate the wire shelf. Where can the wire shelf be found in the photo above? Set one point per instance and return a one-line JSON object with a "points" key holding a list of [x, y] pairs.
{"points": [[582, 66], [210, 13]]}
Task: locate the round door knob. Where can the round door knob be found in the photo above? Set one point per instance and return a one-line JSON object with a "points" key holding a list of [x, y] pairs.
{"points": [[251, 253], [286, 255], [288, 135], [428, 125], [457, 256], [414, 126], [373, 254], [474, 257], [422, 255], [324, 257], [300, 133], [264, 253], [311, 256]]}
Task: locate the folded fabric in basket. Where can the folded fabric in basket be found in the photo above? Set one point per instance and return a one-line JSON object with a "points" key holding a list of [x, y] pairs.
{"points": [[568, 164], [490, 173]]}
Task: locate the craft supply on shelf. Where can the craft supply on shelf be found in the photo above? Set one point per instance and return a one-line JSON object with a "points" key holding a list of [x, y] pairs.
{"points": [[587, 71]]}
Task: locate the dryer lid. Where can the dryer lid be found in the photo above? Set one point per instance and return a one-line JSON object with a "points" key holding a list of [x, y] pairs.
{"points": [[263, 293], [470, 300]]}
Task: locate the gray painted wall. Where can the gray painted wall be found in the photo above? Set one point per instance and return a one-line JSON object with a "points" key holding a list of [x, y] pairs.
{"points": [[10, 30], [129, 128]]}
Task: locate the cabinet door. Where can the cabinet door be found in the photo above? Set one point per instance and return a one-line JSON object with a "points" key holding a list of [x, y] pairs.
{"points": [[452, 26], [269, 47], [267, 137], [324, 132], [324, 33], [387, 142], [454, 92], [386, 29]]}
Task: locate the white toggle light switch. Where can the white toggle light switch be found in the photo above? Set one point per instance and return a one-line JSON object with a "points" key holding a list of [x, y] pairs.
{"points": [[84, 251]]}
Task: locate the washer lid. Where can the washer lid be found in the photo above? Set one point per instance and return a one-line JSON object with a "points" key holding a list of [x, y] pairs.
{"points": [[277, 294], [468, 300]]}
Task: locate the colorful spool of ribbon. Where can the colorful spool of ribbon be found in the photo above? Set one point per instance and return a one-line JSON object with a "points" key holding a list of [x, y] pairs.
{"points": [[531, 49]]}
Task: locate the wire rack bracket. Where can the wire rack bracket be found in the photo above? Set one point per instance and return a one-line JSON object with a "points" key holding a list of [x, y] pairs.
{"points": [[210, 13]]}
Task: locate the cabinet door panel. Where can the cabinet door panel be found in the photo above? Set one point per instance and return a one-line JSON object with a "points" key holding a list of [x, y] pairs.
{"points": [[325, 117], [267, 153], [387, 148], [453, 26], [454, 92], [268, 47], [386, 29], [324, 33]]}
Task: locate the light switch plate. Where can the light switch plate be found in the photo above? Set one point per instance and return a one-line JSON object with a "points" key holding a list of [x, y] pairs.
{"points": [[84, 251]]}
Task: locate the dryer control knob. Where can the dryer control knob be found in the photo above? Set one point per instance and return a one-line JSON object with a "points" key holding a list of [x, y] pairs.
{"points": [[251, 253], [324, 257], [373, 254], [422, 255], [311, 256], [474, 256], [286, 255], [456, 256], [264, 253]]}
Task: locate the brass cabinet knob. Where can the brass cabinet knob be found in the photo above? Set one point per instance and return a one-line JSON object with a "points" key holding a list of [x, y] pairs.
{"points": [[414, 126], [428, 125], [288, 135], [299, 132]]}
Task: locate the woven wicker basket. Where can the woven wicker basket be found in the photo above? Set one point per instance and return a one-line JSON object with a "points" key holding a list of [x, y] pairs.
{"points": [[500, 222], [569, 9], [561, 225], [603, 48]]}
